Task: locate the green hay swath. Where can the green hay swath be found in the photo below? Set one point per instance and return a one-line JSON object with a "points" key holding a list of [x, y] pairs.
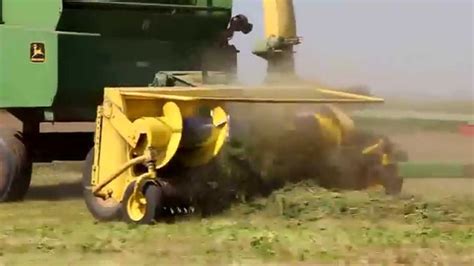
{"points": [[436, 170]]}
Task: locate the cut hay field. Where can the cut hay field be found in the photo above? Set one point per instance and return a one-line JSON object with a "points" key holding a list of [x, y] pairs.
{"points": [[432, 222]]}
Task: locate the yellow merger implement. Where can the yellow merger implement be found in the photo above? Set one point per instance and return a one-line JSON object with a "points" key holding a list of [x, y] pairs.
{"points": [[142, 132]]}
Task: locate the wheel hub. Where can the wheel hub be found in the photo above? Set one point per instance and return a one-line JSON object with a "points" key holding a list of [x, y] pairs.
{"points": [[136, 206]]}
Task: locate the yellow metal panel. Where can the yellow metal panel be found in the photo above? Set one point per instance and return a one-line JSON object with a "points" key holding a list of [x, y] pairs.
{"points": [[114, 152], [123, 125], [163, 134], [213, 145], [250, 95], [349, 95], [331, 131], [375, 148], [345, 122], [279, 18]]}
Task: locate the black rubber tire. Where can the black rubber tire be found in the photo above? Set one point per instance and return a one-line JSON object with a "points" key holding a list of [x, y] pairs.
{"points": [[342, 171], [15, 167], [394, 186], [154, 197], [95, 205], [392, 182]]}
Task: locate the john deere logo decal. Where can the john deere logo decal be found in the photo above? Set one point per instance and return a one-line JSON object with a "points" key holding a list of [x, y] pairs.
{"points": [[37, 52]]}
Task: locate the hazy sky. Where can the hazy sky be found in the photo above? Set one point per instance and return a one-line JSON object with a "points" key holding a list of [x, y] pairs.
{"points": [[419, 48]]}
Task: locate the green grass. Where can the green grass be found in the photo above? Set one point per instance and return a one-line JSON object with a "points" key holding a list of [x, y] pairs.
{"points": [[434, 170], [408, 116], [298, 224], [405, 125]]}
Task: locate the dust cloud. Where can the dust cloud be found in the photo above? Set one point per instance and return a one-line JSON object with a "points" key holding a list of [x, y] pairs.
{"points": [[273, 145]]}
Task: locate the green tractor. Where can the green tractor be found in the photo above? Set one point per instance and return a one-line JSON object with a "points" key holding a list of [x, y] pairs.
{"points": [[57, 56]]}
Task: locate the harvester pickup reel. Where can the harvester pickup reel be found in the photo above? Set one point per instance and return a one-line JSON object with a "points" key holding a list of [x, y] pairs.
{"points": [[146, 138]]}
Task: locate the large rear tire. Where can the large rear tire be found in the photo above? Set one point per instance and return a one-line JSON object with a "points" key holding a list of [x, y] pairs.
{"points": [[15, 166], [102, 210]]}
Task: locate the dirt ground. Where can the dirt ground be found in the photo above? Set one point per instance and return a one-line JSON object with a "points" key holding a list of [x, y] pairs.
{"points": [[440, 187], [436, 146]]}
